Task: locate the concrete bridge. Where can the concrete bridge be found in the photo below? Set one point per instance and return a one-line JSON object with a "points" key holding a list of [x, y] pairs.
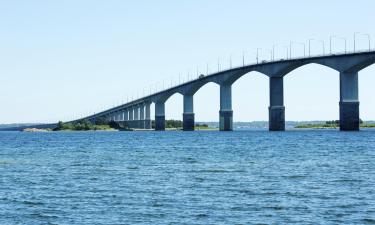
{"points": [[136, 114]]}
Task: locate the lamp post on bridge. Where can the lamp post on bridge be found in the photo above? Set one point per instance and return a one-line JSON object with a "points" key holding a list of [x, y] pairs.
{"points": [[323, 44], [331, 38], [243, 58], [300, 43], [311, 39], [369, 41], [330, 43], [258, 54], [344, 39], [273, 51], [287, 51], [354, 39]]}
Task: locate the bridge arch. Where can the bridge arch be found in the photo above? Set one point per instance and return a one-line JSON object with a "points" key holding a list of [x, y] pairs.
{"points": [[193, 88], [233, 78], [301, 65], [207, 102], [250, 97], [174, 107], [312, 92], [163, 97]]}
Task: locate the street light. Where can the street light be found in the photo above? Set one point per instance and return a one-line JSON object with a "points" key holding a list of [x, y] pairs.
{"points": [[290, 50], [270, 53], [354, 39], [330, 43], [300, 43], [243, 58], [342, 38], [310, 46], [369, 41], [273, 51], [218, 64], [258, 54], [230, 62], [287, 50]]}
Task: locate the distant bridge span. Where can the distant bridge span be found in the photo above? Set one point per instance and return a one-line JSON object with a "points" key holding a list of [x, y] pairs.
{"points": [[136, 114]]}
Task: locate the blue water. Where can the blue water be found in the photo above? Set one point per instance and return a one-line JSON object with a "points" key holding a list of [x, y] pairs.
{"points": [[243, 177]]}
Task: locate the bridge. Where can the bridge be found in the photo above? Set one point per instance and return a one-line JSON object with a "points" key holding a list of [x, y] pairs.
{"points": [[137, 113]]}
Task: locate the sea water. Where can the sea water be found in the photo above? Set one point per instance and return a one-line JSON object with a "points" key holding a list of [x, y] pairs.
{"points": [[202, 177]]}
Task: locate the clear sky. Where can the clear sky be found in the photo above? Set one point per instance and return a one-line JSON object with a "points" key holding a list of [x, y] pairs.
{"points": [[60, 60]]}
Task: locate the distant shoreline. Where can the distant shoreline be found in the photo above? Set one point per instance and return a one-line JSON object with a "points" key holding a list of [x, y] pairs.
{"points": [[210, 125]]}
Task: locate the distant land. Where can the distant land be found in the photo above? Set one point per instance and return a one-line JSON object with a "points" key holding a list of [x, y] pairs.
{"points": [[21, 126], [236, 125]]}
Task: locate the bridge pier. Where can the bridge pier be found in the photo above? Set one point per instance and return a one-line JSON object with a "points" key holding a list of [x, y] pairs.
{"points": [[226, 112], [131, 117], [349, 103], [188, 115], [276, 108], [159, 116], [142, 116], [126, 118], [148, 116], [136, 116], [119, 116], [126, 115]]}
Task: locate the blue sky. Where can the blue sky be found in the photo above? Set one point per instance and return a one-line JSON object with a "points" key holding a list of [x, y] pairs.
{"points": [[60, 60]]}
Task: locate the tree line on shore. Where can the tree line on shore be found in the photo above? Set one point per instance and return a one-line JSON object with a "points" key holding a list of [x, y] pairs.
{"points": [[103, 124]]}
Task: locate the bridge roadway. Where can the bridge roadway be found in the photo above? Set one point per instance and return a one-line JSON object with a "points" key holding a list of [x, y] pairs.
{"points": [[136, 114]]}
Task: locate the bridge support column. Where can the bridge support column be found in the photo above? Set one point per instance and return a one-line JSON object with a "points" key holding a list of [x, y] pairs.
{"points": [[159, 116], [119, 116], [126, 118], [148, 116], [142, 116], [188, 115], [349, 103], [226, 112], [126, 115], [136, 116], [131, 118], [276, 108]]}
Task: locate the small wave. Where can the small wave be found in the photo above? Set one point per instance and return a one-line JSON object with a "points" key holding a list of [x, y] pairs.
{"points": [[132, 167], [347, 180], [201, 215], [199, 179], [157, 205], [4, 162], [43, 216], [369, 221], [277, 208], [26, 202], [189, 160], [295, 177], [220, 171]]}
